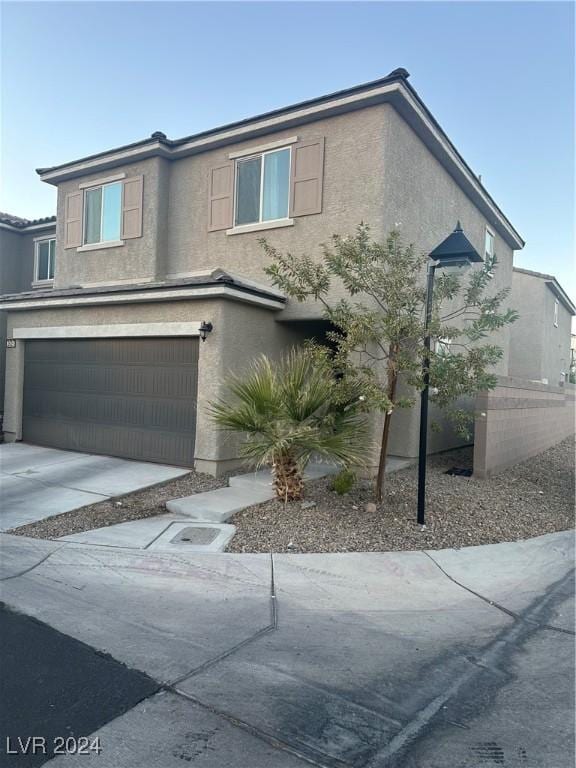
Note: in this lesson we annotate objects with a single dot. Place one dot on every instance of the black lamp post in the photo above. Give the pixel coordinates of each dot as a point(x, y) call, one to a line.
point(455, 251)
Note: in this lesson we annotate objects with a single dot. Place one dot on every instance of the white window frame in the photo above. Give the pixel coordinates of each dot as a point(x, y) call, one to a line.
point(261, 222)
point(487, 232)
point(48, 280)
point(92, 188)
point(556, 311)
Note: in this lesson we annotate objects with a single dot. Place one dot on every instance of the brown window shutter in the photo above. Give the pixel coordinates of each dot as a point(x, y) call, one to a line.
point(73, 219)
point(221, 197)
point(306, 177)
point(132, 189)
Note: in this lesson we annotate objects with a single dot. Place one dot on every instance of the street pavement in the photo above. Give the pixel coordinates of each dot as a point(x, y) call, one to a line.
point(440, 659)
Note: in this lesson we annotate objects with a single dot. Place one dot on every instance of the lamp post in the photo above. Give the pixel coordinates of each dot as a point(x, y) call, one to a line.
point(455, 251)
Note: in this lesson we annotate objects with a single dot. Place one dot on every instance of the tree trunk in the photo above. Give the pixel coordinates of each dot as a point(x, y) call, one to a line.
point(392, 381)
point(288, 481)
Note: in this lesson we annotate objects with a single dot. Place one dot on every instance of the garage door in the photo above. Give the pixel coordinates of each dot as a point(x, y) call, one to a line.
point(134, 398)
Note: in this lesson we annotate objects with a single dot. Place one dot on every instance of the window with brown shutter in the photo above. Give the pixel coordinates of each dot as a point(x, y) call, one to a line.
point(73, 219)
point(307, 177)
point(221, 194)
point(132, 207)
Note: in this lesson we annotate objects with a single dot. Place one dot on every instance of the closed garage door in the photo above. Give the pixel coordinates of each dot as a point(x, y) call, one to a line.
point(134, 398)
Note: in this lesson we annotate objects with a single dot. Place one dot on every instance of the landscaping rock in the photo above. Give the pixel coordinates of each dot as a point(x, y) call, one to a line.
point(460, 511)
point(134, 506)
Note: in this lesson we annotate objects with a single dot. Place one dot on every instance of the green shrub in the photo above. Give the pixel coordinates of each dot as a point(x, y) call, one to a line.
point(343, 482)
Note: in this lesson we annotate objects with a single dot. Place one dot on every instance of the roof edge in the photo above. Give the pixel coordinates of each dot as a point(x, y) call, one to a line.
point(396, 75)
point(394, 89)
point(19, 224)
point(554, 286)
point(216, 278)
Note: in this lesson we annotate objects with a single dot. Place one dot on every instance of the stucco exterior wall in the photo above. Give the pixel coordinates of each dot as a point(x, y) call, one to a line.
point(556, 345)
point(17, 258)
point(526, 351)
point(520, 419)
point(10, 261)
point(138, 260)
point(352, 192)
point(539, 351)
point(16, 276)
point(424, 202)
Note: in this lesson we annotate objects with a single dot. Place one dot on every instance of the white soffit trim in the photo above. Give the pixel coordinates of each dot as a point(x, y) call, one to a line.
point(103, 180)
point(211, 292)
point(111, 159)
point(263, 147)
point(107, 331)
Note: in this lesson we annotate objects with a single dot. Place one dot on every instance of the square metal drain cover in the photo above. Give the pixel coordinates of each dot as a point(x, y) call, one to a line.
point(196, 535)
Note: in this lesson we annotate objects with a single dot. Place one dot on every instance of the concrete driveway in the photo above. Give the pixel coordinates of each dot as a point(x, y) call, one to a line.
point(37, 482)
point(441, 659)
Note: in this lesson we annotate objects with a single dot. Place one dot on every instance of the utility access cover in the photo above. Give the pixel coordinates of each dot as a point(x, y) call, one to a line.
point(196, 535)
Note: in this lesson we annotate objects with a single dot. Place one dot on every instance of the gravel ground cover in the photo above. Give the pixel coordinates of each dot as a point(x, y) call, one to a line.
point(529, 499)
point(134, 506)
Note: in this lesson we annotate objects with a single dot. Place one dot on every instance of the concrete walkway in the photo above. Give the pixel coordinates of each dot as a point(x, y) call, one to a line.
point(449, 659)
point(38, 482)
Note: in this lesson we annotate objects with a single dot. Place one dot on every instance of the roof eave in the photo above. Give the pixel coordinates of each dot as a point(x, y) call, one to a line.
point(561, 295)
point(394, 90)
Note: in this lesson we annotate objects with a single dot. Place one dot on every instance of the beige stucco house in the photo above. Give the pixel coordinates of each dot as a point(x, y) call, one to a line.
point(27, 255)
point(540, 340)
point(159, 239)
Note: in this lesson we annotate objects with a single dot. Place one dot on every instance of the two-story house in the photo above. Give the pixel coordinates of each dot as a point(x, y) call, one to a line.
point(540, 340)
point(159, 287)
point(27, 254)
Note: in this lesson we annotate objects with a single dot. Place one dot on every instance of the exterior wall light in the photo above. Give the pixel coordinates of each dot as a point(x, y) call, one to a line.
point(205, 329)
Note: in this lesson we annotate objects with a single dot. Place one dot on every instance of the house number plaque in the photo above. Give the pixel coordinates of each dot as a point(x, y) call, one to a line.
point(10, 343)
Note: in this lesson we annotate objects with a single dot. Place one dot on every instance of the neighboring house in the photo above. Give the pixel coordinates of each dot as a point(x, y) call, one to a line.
point(540, 339)
point(159, 239)
point(27, 253)
point(573, 352)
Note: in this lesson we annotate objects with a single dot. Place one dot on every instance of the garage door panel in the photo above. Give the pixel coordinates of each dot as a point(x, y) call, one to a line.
point(170, 381)
point(157, 413)
point(123, 397)
point(129, 442)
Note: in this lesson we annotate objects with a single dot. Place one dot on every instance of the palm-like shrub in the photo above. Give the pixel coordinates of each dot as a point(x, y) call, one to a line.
point(289, 411)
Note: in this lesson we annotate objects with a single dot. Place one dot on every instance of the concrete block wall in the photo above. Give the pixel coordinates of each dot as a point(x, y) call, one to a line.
point(519, 419)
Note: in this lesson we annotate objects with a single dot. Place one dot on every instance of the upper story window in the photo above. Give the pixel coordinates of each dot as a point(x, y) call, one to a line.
point(103, 213)
point(262, 187)
point(489, 243)
point(44, 260)
point(556, 305)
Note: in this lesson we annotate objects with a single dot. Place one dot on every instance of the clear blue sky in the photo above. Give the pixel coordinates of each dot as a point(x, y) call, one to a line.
point(82, 77)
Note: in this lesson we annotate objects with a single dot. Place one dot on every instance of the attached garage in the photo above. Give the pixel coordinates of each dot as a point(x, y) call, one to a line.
point(129, 397)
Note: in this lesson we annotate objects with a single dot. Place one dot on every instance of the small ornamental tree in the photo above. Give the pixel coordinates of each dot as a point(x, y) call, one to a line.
point(379, 324)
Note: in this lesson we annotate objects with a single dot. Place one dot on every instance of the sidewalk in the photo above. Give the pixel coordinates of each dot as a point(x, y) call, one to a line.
point(342, 660)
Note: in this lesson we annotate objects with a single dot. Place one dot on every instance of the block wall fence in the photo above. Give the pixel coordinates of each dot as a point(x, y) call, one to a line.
point(519, 419)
